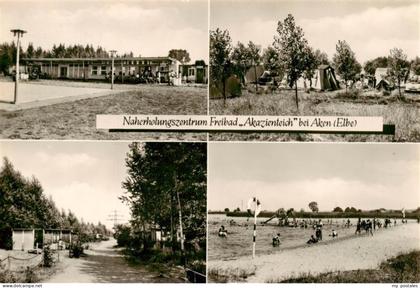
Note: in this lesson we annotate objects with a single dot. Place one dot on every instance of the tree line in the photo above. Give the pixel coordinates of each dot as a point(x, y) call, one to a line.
point(166, 191)
point(291, 55)
point(8, 53)
point(23, 204)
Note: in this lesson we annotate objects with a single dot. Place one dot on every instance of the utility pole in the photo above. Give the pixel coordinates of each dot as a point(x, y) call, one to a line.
point(115, 217)
point(112, 68)
point(19, 34)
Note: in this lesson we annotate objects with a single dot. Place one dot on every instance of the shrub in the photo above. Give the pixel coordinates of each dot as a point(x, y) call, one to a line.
point(76, 250)
point(30, 276)
point(47, 258)
point(122, 235)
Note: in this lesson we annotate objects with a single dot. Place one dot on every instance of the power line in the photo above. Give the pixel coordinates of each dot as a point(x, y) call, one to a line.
point(115, 217)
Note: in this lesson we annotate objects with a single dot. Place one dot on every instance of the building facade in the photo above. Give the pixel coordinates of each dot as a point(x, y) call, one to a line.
point(133, 69)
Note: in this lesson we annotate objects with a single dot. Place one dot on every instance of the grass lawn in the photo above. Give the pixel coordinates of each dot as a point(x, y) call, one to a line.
point(405, 114)
point(77, 119)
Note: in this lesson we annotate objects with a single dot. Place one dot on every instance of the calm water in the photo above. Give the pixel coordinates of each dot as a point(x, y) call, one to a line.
point(239, 240)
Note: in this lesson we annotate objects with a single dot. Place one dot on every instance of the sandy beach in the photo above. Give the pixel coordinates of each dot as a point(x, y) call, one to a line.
point(356, 252)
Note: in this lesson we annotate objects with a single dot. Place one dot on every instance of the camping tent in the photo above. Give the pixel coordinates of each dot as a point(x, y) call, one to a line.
point(325, 79)
point(380, 77)
point(252, 74)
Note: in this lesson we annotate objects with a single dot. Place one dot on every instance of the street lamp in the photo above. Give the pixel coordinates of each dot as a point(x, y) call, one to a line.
point(19, 34)
point(112, 68)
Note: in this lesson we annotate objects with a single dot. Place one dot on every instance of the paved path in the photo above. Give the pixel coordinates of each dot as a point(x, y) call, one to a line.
point(104, 264)
point(37, 95)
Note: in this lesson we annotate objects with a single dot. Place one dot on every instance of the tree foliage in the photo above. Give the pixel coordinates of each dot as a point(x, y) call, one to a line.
point(415, 65)
point(345, 62)
point(253, 55)
point(181, 55)
point(158, 175)
point(220, 61)
point(398, 66)
point(23, 204)
point(8, 53)
point(240, 60)
point(271, 61)
point(321, 58)
point(371, 65)
point(313, 206)
point(310, 65)
point(292, 48)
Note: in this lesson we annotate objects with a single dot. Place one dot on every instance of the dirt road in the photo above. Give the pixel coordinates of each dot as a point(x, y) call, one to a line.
point(104, 264)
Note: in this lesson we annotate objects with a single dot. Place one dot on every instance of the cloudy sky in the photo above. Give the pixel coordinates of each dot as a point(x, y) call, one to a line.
point(371, 28)
point(366, 176)
point(84, 177)
point(149, 28)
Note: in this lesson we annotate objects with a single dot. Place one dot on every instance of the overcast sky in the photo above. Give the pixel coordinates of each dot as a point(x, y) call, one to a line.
point(84, 177)
point(290, 175)
point(371, 28)
point(149, 28)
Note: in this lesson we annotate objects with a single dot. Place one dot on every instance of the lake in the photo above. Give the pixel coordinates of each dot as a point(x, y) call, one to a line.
point(239, 240)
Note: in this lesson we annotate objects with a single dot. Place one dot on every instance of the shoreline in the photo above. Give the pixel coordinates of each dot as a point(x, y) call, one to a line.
point(349, 253)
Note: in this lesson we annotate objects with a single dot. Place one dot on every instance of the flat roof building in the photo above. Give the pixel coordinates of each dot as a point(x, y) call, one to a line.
point(142, 69)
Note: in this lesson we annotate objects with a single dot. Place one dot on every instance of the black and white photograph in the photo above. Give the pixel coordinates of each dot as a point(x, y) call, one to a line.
point(313, 58)
point(64, 62)
point(313, 213)
point(102, 212)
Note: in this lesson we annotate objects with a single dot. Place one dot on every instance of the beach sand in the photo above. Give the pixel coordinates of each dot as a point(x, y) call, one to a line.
point(355, 252)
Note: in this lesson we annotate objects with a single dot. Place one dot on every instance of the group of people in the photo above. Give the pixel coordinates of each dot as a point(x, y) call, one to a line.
point(367, 225)
point(318, 233)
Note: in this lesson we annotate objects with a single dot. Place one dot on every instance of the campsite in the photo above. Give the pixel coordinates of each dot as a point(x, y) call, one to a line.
point(65, 224)
point(293, 68)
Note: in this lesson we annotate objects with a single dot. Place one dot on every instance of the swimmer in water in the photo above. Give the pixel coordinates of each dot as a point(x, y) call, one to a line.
point(222, 232)
point(276, 240)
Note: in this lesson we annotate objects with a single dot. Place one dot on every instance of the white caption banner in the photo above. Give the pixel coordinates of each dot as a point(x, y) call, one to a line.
point(240, 123)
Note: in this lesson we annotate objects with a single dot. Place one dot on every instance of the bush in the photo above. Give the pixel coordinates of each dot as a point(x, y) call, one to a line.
point(30, 276)
point(76, 250)
point(47, 258)
point(122, 235)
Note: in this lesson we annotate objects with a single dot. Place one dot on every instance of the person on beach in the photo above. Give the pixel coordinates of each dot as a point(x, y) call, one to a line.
point(318, 231)
point(222, 232)
point(368, 227)
point(358, 226)
point(312, 240)
point(276, 240)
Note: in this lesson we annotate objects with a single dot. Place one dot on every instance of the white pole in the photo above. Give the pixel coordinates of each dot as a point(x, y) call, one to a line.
point(112, 68)
point(17, 69)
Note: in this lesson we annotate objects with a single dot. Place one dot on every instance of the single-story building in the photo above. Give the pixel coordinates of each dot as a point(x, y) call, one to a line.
point(195, 73)
point(30, 238)
point(156, 69)
point(100, 68)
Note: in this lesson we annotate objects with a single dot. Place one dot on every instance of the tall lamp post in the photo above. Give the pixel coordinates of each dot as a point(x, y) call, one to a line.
point(19, 34)
point(112, 67)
